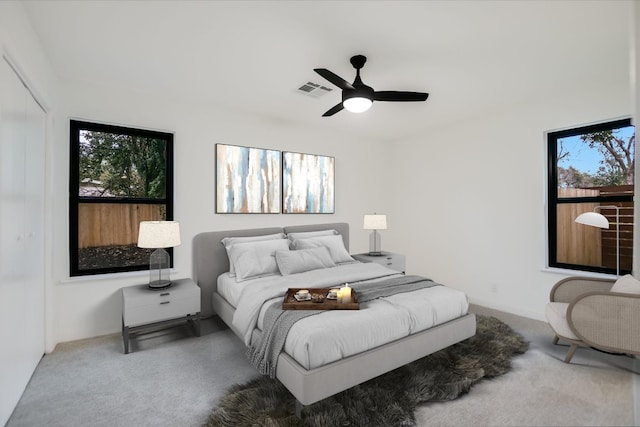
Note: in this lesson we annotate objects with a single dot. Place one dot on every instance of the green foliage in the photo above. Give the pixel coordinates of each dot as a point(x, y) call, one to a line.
point(123, 165)
point(573, 178)
point(618, 164)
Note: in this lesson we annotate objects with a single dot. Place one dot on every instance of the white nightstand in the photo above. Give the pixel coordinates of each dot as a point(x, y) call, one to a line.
point(143, 307)
point(388, 259)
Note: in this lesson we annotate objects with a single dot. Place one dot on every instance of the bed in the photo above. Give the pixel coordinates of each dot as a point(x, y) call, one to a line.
point(311, 380)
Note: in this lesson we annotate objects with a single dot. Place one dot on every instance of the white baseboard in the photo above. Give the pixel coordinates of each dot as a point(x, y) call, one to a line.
point(508, 309)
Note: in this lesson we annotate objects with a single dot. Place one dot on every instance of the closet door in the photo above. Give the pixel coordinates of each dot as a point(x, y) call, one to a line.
point(21, 237)
point(33, 231)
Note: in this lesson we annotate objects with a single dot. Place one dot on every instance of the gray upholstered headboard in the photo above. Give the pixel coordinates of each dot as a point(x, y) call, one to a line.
point(210, 257)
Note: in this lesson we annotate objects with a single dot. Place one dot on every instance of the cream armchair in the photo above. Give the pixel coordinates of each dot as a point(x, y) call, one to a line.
point(599, 313)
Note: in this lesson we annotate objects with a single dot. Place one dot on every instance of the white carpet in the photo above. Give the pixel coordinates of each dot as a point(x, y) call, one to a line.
point(596, 389)
point(175, 379)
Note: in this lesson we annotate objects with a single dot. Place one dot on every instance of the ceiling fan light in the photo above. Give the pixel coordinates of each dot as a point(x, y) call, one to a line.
point(357, 104)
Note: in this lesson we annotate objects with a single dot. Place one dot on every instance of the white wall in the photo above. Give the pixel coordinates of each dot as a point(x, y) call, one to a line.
point(473, 199)
point(91, 306)
point(19, 41)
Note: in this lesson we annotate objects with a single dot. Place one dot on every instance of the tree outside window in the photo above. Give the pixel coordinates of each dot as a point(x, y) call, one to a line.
point(591, 166)
point(119, 176)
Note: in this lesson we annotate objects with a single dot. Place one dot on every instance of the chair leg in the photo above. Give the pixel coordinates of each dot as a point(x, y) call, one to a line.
point(570, 353)
point(555, 340)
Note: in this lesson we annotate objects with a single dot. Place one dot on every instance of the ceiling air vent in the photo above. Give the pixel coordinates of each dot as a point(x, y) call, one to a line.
point(314, 90)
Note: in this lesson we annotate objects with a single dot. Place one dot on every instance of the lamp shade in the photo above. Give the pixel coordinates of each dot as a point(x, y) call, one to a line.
point(375, 222)
point(158, 234)
point(357, 104)
point(593, 219)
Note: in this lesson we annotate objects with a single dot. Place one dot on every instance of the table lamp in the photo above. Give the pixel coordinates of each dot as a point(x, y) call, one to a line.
point(159, 235)
point(375, 222)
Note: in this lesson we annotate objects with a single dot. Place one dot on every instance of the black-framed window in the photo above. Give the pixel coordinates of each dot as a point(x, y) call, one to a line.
point(589, 168)
point(118, 177)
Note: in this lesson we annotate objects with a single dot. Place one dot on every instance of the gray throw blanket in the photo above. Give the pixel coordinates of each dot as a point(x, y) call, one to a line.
point(277, 322)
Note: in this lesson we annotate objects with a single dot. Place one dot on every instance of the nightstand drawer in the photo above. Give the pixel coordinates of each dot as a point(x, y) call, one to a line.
point(160, 310)
point(142, 296)
point(393, 261)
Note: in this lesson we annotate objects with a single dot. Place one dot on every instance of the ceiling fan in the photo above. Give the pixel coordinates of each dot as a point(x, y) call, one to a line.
point(358, 97)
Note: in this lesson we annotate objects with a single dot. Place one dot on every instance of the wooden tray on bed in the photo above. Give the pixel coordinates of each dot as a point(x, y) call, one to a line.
point(290, 303)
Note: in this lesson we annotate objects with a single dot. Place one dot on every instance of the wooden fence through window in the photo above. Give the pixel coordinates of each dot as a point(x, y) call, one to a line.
point(113, 224)
point(583, 245)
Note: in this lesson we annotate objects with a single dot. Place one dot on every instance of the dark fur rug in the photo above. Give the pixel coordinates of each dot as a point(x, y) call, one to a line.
point(388, 400)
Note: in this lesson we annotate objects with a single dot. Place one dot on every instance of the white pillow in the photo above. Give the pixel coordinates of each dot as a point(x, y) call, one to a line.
point(335, 244)
point(257, 258)
point(291, 262)
point(308, 234)
point(626, 284)
point(230, 241)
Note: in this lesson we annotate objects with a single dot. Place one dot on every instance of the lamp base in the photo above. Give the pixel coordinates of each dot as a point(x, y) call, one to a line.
point(375, 244)
point(157, 285)
point(159, 263)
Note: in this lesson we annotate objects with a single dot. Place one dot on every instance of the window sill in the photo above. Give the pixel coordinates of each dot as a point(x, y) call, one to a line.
point(568, 272)
point(138, 276)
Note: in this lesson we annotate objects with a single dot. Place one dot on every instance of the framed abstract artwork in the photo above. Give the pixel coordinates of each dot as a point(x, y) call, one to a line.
point(248, 180)
point(308, 183)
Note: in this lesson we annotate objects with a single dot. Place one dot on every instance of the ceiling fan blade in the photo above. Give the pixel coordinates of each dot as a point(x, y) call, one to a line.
point(334, 78)
point(392, 95)
point(333, 110)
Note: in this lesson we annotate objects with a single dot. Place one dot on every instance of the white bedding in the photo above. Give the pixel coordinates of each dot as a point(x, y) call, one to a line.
point(317, 340)
point(257, 292)
point(334, 334)
point(230, 289)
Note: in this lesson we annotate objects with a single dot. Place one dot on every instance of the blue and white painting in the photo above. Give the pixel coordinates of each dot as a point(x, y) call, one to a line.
point(248, 180)
point(307, 183)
